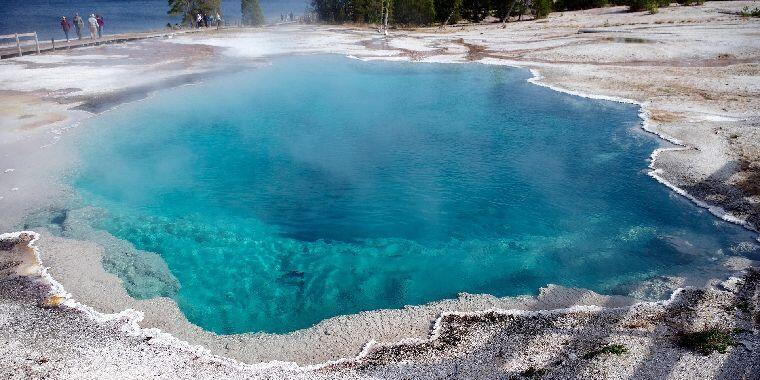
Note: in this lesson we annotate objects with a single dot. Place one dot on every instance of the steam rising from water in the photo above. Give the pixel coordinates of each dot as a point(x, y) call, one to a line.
point(322, 186)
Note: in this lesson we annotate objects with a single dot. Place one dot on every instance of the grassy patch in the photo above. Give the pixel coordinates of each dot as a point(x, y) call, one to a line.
point(708, 341)
point(617, 349)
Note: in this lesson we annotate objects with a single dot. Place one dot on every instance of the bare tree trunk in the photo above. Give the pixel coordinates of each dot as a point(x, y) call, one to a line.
point(451, 14)
point(509, 12)
point(385, 22)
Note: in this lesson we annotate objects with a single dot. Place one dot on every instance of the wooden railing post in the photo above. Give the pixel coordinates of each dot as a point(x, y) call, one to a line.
point(18, 45)
point(37, 42)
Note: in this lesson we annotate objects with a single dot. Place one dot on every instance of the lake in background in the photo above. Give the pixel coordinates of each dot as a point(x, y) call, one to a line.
point(42, 16)
point(320, 186)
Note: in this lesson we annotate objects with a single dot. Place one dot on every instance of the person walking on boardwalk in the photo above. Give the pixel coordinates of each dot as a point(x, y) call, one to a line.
point(101, 23)
point(66, 26)
point(93, 26)
point(78, 24)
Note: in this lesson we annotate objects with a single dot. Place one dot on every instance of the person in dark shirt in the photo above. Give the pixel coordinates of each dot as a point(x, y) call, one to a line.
point(101, 23)
point(66, 26)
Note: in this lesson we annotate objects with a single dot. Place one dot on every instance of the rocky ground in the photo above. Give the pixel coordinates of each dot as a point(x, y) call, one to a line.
point(694, 70)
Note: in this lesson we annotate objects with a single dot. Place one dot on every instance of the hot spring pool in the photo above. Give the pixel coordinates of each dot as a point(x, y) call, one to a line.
point(319, 186)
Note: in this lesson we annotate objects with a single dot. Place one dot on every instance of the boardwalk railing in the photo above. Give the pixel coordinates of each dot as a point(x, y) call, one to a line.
point(18, 37)
point(17, 50)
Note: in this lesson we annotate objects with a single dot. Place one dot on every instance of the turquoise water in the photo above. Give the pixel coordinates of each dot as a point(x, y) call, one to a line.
point(320, 186)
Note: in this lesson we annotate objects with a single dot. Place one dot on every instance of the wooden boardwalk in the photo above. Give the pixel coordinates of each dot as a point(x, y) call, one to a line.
point(28, 46)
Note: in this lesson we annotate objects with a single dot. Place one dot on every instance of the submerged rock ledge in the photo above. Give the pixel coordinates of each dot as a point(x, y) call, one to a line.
point(51, 335)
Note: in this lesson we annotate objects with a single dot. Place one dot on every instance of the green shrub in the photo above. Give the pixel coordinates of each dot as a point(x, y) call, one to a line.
point(746, 12)
point(708, 341)
point(643, 5)
point(617, 349)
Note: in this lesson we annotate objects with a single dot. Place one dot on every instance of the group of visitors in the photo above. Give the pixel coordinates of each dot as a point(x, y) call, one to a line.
point(286, 17)
point(205, 20)
point(95, 23)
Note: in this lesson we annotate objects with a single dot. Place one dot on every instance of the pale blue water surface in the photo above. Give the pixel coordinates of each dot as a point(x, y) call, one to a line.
point(320, 186)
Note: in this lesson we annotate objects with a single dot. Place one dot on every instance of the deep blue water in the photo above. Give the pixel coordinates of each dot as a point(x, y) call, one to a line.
point(320, 186)
point(42, 16)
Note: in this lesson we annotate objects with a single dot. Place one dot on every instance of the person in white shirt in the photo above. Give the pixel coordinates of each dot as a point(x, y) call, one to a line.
point(93, 26)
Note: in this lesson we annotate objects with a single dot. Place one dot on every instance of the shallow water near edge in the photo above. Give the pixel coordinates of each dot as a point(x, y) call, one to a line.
point(321, 186)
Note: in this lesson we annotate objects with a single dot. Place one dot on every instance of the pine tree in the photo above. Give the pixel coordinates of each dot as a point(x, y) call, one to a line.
point(475, 10)
point(413, 12)
point(369, 11)
point(187, 8)
point(447, 11)
point(182, 8)
point(252, 14)
point(542, 8)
